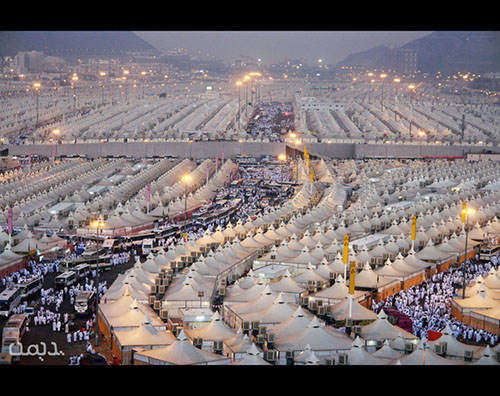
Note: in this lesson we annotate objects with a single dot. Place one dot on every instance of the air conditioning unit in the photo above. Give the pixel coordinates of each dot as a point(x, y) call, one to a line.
point(356, 330)
point(497, 356)
point(272, 355)
point(380, 344)
point(234, 277)
point(313, 306)
point(289, 354)
point(311, 288)
point(319, 284)
point(468, 355)
point(349, 322)
point(158, 281)
point(161, 289)
point(222, 291)
point(321, 310)
point(153, 289)
point(305, 301)
point(255, 324)
point(198, 342)
point(164, 314)
point(271, 338)
point(245, 326)
point(440, 348)
point(319, 302)
point(328, 309)
point(343, 359)
point(330, 362)
point(218, 345)
point(261, 339)
point(152, 300)
point(409, 347)
point(331, 275)
point(262, 330)
point(157, 305)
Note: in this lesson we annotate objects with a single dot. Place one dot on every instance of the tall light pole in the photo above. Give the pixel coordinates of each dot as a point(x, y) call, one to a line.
point(396, 81)
point(467, 213)
point(411, 87)
point(422, 136)
point(74, 79)
point(382, 76)
point(98, 224)
point(239, 84)
point(186, 179)
point(37, 86)
point(102, 74)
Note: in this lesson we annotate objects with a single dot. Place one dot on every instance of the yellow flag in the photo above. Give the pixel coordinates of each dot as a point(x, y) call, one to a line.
point(413, 227)
point(352, 277)
point(346, 249)
point(464, 208)
point(312, 175)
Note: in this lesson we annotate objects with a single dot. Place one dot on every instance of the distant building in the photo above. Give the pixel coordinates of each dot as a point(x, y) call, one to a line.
point(28, 62)
point(310, 103)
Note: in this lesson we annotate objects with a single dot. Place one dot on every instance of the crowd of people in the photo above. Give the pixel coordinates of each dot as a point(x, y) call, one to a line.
point(428, 304)
point(270, 119)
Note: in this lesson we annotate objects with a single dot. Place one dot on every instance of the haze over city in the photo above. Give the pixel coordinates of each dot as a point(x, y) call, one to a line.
point(274, 46)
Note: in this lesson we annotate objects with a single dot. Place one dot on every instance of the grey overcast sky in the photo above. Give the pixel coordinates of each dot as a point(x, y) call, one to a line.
point(275, 46)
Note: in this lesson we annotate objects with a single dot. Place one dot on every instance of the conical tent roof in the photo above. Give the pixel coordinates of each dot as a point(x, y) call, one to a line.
point(418, 357)
point(287, 285)
point(145, 335)
point(298, 321)
point(180, 352)
point(340, 311)
point(387, 352)
point(277, 312)
point(318, 336)
point(216, 330)
point(382, 329)
point(358, 356)
point(453, 346)
point(252, 358)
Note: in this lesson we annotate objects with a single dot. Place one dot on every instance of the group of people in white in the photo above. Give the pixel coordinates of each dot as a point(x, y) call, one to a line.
point(428, 304)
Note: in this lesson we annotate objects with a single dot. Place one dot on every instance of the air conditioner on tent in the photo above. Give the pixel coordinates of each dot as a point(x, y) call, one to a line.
point(409, 347)
point(380, 344)
point(261, 339)
point(198, 342)
point(255, 324)
point(164, 314)
point(313, 306)
point(234, 277)
point(272, 355)
point(218, 345)
point(331, 275)
point(161, 289)
point(153, 289)
point(328, 309)
point(343, 359)
point(497, 356)
point(262, 330)
point(271, 338)
point(245, 326)
point(356, 330)
point(440, 348)
point(157, 305)
point(349, 322)
point(222, 291)
point(305, 301)
point(321, 310)
point(468, 355)
point(319, 302)
point(151, 300)
point(330, 362)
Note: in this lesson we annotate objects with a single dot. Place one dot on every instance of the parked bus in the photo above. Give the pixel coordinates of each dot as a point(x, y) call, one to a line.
point(65, 279)
point(85, 302)
point(488, 251)
point(81, 270)
point(31, 287)
point(12, 333)
point(9, 299)
point(147, 245)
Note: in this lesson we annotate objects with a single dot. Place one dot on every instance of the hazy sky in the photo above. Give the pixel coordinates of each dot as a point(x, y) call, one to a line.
point(275, 46)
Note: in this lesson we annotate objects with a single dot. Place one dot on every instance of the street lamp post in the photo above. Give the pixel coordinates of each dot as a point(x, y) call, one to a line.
point(186, 179)
point(382, 76)
point(467, 212)
point(412, 90)
point(397, 81)
point(37, 90)
point(98, 224)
